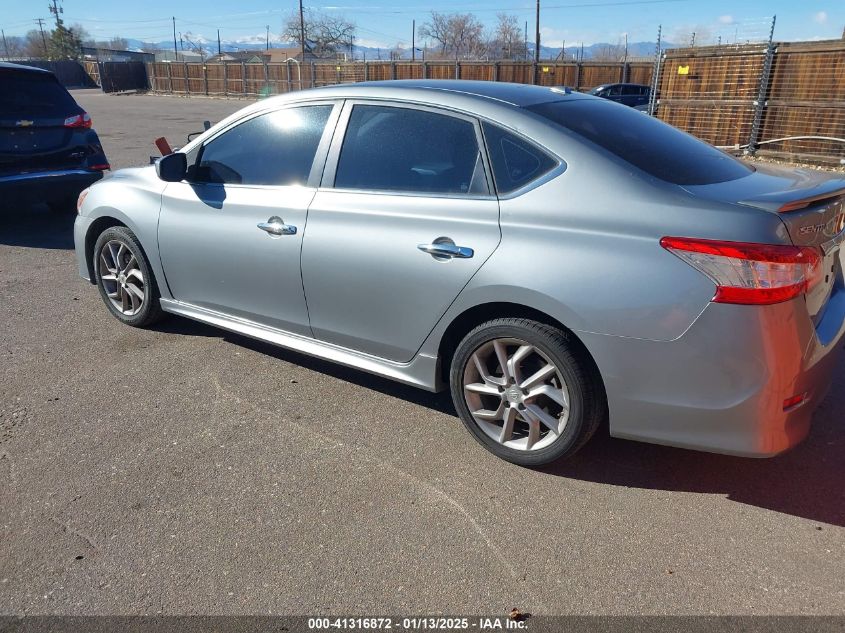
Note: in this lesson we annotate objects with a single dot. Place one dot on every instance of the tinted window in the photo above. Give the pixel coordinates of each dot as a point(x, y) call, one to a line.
point(34, 94)
point(516, 162)
point(651, 145)
point(402, 149)
point(276, 148)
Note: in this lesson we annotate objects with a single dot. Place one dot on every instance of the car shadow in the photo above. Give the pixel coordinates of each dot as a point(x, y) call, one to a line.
point(807, 482)
point(440, 402)
point(35, 226)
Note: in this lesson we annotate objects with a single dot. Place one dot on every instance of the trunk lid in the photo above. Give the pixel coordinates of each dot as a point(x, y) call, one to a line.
point(810, 203)
point(33, 110)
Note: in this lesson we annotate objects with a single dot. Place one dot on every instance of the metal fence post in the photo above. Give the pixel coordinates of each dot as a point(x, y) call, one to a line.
point(495, 71)
point(170, 77)
point(313, 75)
point(205, 78)
point(760, 103)
point(577, 75)
point(393, 69)
point(287, 74)
point(655, 74)
point(366, 71)
point(266, 77)
point(225, 80)
point(457, 69)
point(243, 76)
point(425, 70)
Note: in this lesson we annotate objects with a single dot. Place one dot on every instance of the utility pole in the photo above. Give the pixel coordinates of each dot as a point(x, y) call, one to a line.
point(692, 40)
point(175, 50)
point(219, 51)
point(5, 44)
point(537, 36)
point(302, 29)
point(413, 40)
point(267, 47)
point(43, 39)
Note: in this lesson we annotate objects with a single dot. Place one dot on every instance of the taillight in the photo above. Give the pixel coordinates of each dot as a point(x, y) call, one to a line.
point(78, 120)
point(750, 274)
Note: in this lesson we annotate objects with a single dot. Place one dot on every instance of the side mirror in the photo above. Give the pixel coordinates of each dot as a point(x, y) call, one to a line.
point(172, 168)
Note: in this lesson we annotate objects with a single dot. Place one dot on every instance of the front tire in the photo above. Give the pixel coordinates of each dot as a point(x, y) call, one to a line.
point(526, 391)
point(124, 278)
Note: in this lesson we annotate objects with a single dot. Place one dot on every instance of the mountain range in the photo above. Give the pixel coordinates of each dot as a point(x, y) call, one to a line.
point(635, 49)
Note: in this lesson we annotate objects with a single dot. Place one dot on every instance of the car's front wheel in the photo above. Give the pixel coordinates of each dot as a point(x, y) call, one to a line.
point(526, 391)
point(124, 278)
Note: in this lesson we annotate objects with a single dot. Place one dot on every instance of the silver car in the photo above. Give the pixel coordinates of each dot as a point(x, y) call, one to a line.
point(557, 261)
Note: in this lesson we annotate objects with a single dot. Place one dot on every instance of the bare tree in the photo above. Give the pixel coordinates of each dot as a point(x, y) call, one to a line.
point(118, 43)
point(608, 52)
point(15, 46)
point(150, 48)
point(458, 35)
point(196, 47)
point(507, 42)
point(325, 35)
point(34, 44)
point(398, 51)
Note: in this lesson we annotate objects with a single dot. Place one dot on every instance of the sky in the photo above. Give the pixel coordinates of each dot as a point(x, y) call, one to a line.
point(385, 24)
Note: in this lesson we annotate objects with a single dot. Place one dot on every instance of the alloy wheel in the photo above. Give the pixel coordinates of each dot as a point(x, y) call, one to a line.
point(516, 394)
point(122, 278)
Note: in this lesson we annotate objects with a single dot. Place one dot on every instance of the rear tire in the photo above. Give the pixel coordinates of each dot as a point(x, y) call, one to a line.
point(124, 278)
point(526, 391)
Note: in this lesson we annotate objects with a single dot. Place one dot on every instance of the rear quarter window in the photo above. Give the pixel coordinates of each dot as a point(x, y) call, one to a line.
point(645, 142)
point(515, 161)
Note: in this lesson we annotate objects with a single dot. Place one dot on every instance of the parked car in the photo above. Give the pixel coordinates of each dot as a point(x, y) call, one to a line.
point(48, 150)
point(554, 259)
point(628, 94)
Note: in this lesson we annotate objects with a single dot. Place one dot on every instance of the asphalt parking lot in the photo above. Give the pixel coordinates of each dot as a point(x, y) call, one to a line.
point(185, 470)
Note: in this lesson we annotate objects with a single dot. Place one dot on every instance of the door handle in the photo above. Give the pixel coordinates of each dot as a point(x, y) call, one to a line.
point(444, 248)
point(277, 226)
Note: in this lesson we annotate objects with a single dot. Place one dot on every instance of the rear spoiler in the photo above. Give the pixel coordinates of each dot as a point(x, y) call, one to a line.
point(798, 198)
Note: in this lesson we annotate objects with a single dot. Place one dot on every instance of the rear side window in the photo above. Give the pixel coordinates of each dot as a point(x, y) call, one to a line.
point(405, 149)
point(651, 145)
point(516, 162)
point(34, 94)
point(276, 148)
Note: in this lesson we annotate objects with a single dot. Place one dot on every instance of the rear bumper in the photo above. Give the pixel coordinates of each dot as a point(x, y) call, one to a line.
point(48, 185)
point(721, 386)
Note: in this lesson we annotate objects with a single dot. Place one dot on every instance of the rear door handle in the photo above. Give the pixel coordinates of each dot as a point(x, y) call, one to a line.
point(277, 226)
point(444, 248)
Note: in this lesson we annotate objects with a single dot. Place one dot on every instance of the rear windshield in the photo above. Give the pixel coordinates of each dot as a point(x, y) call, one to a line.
point(33, 94)
point(651, 145)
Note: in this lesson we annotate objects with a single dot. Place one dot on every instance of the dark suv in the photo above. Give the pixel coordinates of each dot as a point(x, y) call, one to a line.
point(630, 94)
point(48, 151)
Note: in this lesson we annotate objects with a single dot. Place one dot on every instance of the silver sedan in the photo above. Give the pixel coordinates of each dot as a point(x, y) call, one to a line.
point(558, 261)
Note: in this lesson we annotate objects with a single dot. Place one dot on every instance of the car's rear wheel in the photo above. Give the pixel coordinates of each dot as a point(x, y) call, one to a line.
point(526, 391)
point(124, 278)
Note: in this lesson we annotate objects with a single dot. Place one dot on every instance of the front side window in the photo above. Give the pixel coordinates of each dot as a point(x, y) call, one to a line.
point(404, 149)
point(515, 161)
point(276, 148)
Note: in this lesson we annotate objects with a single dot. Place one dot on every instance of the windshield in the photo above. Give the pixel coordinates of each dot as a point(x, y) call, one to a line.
point(645, 142)
point(34, 94)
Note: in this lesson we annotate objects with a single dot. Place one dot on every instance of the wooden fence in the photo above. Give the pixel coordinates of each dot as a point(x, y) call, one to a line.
point(791, 105)
point(258, 79)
